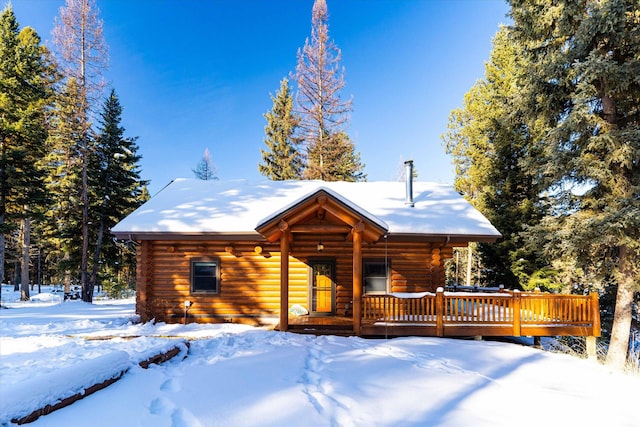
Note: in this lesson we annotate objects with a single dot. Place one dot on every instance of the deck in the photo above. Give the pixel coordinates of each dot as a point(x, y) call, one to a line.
point(455, 314)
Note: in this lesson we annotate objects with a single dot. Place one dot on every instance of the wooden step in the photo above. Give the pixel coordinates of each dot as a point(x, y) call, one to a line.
point(339, 330)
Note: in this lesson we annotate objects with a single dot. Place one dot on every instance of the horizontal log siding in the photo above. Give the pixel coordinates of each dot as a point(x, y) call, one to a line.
point(143, 282)
point(250, 281)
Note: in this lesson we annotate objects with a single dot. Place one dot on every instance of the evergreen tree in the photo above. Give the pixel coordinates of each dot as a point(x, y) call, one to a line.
point(83, 56)
point(25, 83)
point(335, 160)
point(64, 170)
point(205, 169)
point(116, 185)
point(490, 142)
point(282, 160)
point(324, 114)
point(582, 89)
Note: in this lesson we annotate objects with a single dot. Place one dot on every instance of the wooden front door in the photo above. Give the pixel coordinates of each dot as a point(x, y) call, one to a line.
point(322, 287)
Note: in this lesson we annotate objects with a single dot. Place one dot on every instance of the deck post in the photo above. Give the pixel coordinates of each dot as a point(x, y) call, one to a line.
point(440, 312)
point(284, 277)
point(357, 277)
point(516, 313)
point(595, 314)
point(592, 353)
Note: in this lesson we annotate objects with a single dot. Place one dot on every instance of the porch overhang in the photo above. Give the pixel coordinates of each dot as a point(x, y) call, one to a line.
point(322, 212)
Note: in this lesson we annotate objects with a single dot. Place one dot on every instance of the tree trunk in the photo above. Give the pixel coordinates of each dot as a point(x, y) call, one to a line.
point(96, 257)
point(16, 275)
point(24, 280)
point(2, 254)
point(2, 214)
point(87, 288)
point(621, 329)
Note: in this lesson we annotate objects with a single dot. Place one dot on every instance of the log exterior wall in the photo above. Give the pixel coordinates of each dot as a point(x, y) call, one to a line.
point(249, 288)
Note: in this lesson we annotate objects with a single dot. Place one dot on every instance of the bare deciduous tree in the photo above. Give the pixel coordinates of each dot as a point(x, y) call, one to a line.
point(82, 51)
point(320, 78)
point(83, 57)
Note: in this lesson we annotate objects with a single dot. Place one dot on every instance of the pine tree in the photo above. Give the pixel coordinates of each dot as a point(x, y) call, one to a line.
point(582, 89)
point(335, 160)
point(116, 185)
point(282, 159)
point(25, 83)
point(490, 142)
point(324, 114)
point(205, 169)
point(83, 56)
point(64, 184)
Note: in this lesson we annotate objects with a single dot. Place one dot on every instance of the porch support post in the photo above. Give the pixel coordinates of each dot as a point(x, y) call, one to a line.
point(284, 276)
point(357, 277)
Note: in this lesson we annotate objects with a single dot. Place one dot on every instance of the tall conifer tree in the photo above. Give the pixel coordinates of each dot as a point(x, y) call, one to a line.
point(115, 183)
point(282, 159)
point(64, 184)
point(490, 143)
point(324, 114)
point(25, 83)
point(582, 88)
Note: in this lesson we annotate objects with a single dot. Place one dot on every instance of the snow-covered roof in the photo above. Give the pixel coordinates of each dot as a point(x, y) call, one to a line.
point(191, 206)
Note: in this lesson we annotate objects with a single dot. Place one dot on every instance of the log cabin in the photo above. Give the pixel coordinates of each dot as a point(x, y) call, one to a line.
point(243, 251)
point(357, 258)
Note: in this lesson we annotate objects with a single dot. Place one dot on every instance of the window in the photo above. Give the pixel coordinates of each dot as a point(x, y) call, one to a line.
point(375, 278)
point(205, 276)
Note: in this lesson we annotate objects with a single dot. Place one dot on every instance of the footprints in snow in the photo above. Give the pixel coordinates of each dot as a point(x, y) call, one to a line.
point(171, 384)
point(161, 406)
point(318, 390)
point(165, 408)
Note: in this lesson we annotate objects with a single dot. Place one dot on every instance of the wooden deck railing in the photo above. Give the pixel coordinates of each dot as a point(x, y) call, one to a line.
point(492, 314)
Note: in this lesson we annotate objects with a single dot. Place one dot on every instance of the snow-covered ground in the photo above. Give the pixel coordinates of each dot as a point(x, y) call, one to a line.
point(236, 375)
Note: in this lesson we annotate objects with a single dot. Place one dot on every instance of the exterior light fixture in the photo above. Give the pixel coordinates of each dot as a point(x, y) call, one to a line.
point(320, 246)
point(187, 305)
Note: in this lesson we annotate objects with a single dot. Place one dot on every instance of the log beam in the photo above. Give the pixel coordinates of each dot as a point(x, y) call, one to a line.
point(284, 279)
point(357, 277)
point(320, 228)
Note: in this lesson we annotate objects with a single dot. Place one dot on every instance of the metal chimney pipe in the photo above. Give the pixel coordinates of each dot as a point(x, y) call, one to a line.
point(409, 183)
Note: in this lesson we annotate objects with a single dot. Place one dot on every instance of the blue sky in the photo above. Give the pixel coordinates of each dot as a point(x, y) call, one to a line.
point(196, 74)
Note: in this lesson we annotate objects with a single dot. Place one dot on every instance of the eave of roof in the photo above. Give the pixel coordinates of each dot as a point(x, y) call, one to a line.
point(222, 209)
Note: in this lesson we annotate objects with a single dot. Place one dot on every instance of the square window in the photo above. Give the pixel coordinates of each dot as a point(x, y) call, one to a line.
point(205, 276)
point(375, 277)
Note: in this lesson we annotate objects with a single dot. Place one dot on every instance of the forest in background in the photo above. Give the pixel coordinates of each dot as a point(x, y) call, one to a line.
point(68, 173)
point(546, 145)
